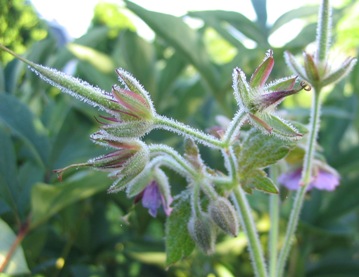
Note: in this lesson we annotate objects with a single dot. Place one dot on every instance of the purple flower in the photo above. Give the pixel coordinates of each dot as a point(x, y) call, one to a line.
point(152, 199)
point(322, 179)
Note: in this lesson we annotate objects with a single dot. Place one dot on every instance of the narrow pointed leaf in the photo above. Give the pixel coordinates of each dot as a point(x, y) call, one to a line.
point(311, 69)
point(295, 66)
point(281, 128)
point(262, 72)
point(340, 73)
point(282, 84)
point(188, 43)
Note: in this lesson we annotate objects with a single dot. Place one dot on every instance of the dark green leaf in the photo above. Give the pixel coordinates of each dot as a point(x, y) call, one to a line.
point(178, 241)
point(259, 150)
point(47, 200)
point(22, 123)
point(139, 56)
point(9, 185)
point(184, 39)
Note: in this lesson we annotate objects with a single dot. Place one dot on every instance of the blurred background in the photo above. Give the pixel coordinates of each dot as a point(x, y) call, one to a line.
point(183, 52)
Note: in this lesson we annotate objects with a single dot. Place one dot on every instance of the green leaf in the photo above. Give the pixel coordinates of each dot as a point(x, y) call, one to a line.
point(17, 264)
point(140, 57)
point(237, 20)
point(22, 123)
point(9, 185)
point(184, 39)
point(99, 60)
point(292, 15)
point(178, 241)
point(47, 200)
point(258, 180)
point(259, 150)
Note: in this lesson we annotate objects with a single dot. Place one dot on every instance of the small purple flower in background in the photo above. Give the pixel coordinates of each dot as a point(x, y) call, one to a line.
point(322, 179)
point(152, 199)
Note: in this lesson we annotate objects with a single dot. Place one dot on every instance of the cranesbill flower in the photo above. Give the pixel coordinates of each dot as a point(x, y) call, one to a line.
point(258, 99)
point(322, 179)
point(152, 199)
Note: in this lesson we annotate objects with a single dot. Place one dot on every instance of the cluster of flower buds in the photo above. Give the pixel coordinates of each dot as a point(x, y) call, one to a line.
point(319, 73)
point(258, 99)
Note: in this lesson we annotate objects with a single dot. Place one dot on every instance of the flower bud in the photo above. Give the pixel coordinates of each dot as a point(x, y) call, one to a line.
point(192, 154)
point(134, 104)
point(222, 212)
point(202, 231)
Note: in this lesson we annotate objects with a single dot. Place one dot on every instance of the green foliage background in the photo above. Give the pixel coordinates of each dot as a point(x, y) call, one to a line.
point(76, 228)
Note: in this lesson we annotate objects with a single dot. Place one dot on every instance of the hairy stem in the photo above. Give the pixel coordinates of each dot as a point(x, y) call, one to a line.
point(274, 225)
point(246, 220)
point(305, 181)
point(323, 31)
point(166, 123)
point(234, 127)
point(156, 149)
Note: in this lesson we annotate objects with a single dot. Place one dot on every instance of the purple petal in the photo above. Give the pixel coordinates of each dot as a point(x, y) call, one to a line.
point(152, 199)
point(291, 179)
point(166, 205)
point(325, 180)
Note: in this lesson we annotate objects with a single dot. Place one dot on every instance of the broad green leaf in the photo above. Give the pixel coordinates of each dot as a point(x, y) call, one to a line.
point(139, 56)
point(17, 264)
point(213, 22)
point(237, 20)
point(173, 68)
point(184, 39)
point(292, 15)
point(47, 200)
point(9, 185)
point(99, 60)
point(92, 38)
point(179, 244)
point(22, 123)
point(259, 150)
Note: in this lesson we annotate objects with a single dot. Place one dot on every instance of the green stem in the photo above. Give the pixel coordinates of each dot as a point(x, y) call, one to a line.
point(187, 131)
point(274, 225)
point(164, 149)
point(323, 31)
point(234, 127)
point(247, 222)
point(305, 181)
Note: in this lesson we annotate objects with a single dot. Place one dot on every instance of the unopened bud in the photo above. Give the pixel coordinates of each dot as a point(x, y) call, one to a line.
point(202, 232)
point(192, 153)
point(224, 215)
